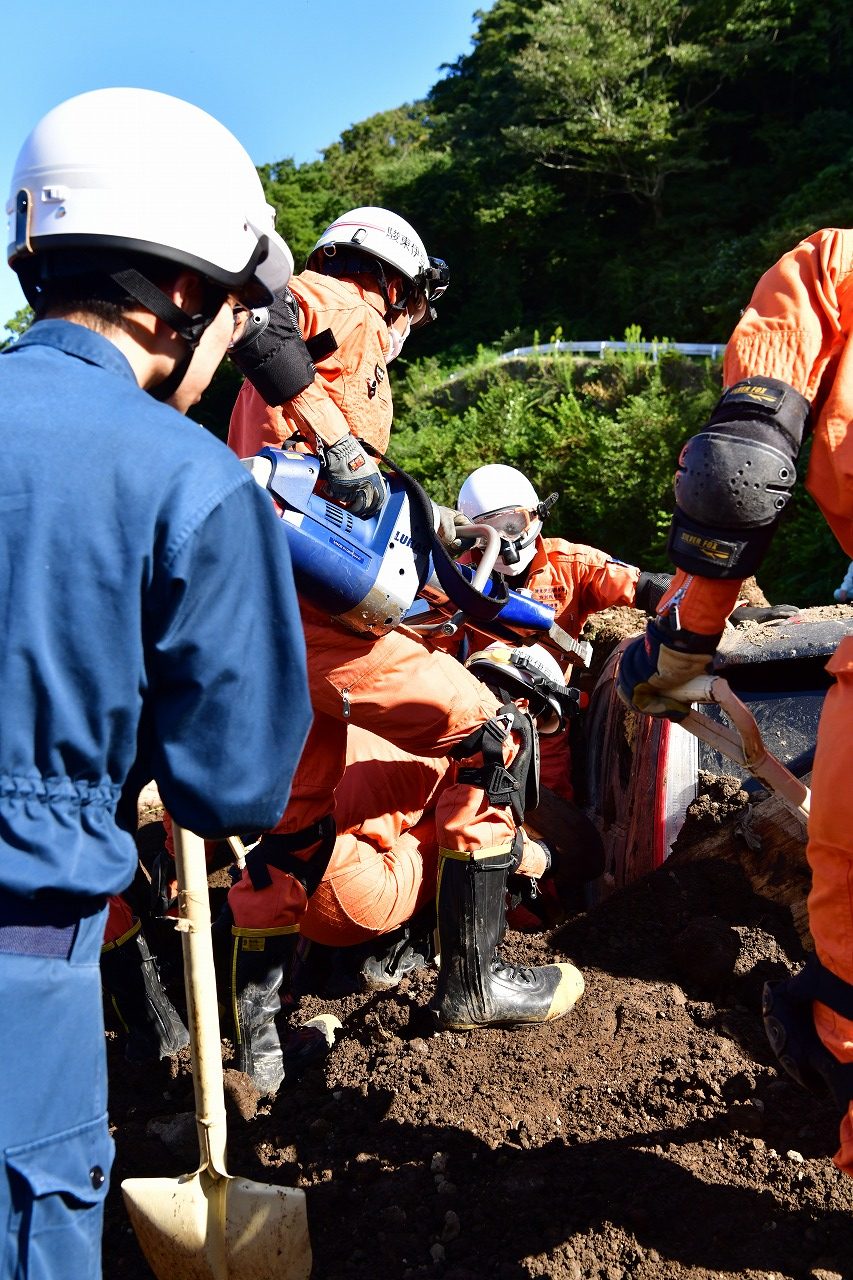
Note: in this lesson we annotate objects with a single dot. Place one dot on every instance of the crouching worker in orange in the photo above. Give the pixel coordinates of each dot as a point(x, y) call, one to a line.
point(788, 372)
point(377, 896)
point(370, 281)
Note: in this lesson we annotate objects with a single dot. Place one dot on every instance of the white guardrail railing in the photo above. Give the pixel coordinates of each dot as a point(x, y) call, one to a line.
point(711, 349)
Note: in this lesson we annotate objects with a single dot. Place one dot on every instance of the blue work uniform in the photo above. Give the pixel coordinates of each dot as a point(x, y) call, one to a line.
point(149, 630)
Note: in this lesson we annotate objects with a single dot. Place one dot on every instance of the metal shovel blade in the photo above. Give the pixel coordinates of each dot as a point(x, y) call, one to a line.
point(197, 1227)
point(209, 1225)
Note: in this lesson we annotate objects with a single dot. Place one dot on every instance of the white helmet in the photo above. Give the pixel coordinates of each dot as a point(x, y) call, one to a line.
point(131, 170)
point(528, 671)
point(386, 238)
point(504, 498)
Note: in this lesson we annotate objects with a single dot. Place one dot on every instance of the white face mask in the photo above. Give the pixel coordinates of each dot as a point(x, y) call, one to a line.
point(397, 339)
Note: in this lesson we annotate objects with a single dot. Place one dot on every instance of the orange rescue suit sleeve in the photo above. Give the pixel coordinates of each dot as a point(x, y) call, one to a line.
point(350, 392)
point(796, 328)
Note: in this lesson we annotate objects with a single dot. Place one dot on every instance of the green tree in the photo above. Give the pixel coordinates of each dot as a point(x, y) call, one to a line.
point(19, 324)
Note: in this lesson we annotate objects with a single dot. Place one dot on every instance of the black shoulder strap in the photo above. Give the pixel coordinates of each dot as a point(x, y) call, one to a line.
point(479, 607)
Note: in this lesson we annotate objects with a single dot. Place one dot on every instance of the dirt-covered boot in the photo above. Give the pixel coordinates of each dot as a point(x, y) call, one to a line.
point(259, 964)
point(475, 987)
point(131, 979)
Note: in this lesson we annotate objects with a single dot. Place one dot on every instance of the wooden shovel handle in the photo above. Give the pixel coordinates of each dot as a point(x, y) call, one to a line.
point(202, 1010)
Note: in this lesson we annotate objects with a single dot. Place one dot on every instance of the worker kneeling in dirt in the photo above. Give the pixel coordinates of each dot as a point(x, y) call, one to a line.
point(369, 282)
point(376, 901)
point(788, 374)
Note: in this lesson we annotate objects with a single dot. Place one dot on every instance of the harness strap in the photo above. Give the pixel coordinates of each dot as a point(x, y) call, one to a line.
point(279, 851)
point(480, 607)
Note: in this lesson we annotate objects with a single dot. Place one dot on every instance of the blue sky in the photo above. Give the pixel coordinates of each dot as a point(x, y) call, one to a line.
point(286, 76)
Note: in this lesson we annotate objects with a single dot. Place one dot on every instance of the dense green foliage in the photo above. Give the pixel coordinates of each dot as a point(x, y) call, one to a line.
point(589, 165)
point(605, 435)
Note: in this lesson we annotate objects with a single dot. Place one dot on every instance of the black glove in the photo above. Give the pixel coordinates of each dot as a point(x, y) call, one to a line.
point(352, 477)
point(763, 613)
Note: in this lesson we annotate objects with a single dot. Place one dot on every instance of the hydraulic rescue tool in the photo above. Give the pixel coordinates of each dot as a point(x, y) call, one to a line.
point(369, 572)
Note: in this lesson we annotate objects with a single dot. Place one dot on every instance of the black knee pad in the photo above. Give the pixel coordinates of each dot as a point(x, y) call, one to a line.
point(516, 785)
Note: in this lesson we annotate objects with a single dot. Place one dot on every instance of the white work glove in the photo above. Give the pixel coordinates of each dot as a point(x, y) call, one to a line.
point(447, 528)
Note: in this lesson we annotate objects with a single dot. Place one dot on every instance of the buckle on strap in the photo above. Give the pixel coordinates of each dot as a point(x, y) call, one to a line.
point(279, 851)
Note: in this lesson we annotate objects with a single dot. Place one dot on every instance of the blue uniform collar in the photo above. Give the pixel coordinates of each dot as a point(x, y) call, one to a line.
point(76, 340)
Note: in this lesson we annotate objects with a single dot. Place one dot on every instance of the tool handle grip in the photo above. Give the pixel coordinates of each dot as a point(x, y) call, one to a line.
point(202, 1010)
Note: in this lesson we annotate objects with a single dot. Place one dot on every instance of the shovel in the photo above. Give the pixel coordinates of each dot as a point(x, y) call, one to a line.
point(741, 743)
point(209, 1225)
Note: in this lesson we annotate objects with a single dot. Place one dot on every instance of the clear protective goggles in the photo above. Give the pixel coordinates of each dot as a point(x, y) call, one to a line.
point(510, 522)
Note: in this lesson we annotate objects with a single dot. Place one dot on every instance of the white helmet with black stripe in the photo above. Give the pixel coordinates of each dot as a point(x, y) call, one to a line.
point(135, 171)
point(527, 671)
point(369, 235)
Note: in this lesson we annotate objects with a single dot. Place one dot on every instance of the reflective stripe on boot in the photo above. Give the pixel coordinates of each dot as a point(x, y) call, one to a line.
point(475, 987)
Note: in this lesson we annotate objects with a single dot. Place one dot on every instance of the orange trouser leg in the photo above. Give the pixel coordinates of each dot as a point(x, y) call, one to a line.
point(830, 854)
point(368, 891)
point(279, 906)
point(422, 701)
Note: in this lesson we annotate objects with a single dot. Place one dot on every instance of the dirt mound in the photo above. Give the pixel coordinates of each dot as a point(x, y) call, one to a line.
point(646, 1135)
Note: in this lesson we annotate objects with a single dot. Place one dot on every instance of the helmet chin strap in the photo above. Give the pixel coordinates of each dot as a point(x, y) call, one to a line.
point(189, 327)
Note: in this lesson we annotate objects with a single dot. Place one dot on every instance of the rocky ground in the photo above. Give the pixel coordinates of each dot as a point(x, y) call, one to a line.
point(647, 1135)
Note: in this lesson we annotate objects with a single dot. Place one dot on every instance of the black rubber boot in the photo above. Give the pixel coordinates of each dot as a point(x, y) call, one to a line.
point(789, 1026)
point(131, 979)
point(259, 965)
point(475, 988)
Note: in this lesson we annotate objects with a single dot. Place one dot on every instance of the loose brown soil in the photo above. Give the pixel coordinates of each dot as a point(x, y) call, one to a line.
point(646, 1135)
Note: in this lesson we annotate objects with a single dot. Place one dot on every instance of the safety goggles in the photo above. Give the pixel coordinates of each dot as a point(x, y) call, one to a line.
point(430, 284)
point(510, 522)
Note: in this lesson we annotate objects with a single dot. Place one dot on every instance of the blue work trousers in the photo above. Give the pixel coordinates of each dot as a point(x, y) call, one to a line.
point(56, 1148)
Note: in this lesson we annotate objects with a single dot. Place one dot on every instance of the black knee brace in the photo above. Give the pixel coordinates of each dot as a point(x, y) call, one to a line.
point(516, 785)
point(272, 353)
point(279, 851)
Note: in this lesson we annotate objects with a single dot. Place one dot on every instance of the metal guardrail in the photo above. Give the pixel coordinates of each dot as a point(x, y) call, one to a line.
point(711, 349)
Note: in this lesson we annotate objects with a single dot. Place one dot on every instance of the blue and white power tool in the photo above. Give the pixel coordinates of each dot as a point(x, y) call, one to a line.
point(368, 573)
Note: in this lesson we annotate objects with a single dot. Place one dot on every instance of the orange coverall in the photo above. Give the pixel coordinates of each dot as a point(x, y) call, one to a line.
point(423, 701)
point(350, 392)
point(385, 863)
point(798, 328)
